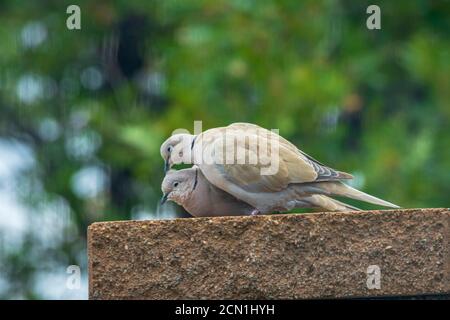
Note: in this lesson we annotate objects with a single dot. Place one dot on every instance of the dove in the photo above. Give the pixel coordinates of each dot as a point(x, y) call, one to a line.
point(234, 158)
point(190, 189)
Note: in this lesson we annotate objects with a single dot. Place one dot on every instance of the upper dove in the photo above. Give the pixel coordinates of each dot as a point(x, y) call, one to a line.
point(258, 166)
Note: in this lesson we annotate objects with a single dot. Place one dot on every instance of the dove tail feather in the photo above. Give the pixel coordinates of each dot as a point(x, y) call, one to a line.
point(343, 190)
point(329, 204)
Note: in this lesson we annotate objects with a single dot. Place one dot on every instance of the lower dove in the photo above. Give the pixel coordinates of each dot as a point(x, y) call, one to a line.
point(298, 175)
point(190, 189)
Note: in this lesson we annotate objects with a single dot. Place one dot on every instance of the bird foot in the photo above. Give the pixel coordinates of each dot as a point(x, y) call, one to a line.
point(255, 212)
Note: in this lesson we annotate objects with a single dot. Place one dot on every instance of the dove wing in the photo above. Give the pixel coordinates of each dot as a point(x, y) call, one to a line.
point(324, 173)
point(293, 167)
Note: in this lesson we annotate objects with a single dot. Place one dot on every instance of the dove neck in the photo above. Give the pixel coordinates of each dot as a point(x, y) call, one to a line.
point(198, 200)
point(193, 141)
point(194, 147)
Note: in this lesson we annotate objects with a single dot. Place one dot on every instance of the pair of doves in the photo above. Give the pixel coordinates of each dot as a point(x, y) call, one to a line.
point(221, 188)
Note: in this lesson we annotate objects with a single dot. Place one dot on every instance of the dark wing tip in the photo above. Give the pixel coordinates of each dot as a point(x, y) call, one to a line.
point(344, 175)
point(325, 173)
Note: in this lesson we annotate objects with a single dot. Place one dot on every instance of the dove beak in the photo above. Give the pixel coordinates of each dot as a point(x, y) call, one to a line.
point(166, 165)
point(164, 198)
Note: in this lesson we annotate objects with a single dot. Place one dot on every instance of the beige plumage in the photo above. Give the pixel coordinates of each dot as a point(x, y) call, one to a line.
point(298, 175)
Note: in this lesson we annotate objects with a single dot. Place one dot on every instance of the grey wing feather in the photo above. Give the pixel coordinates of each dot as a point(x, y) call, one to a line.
point(325, 173)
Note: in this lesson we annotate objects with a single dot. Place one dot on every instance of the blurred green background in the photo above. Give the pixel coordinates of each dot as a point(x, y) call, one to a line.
point(83, 112)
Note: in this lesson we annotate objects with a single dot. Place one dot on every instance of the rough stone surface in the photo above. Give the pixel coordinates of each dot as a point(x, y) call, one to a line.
point(269, 257)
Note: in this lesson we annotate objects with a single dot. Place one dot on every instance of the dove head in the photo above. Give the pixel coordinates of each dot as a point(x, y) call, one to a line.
point(176, 149)
point(178, 185)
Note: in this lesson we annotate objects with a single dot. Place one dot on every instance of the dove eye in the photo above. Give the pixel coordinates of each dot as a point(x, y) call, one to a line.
point(175, 184)
point(169, 149)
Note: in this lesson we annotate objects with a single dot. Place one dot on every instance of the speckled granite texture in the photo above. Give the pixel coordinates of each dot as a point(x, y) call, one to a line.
point(321, 255)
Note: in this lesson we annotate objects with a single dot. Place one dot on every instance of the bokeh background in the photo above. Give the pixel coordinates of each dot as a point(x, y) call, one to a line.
point(83, 112)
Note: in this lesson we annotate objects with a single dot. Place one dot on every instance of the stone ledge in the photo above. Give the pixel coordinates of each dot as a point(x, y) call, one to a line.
point(321, 255)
